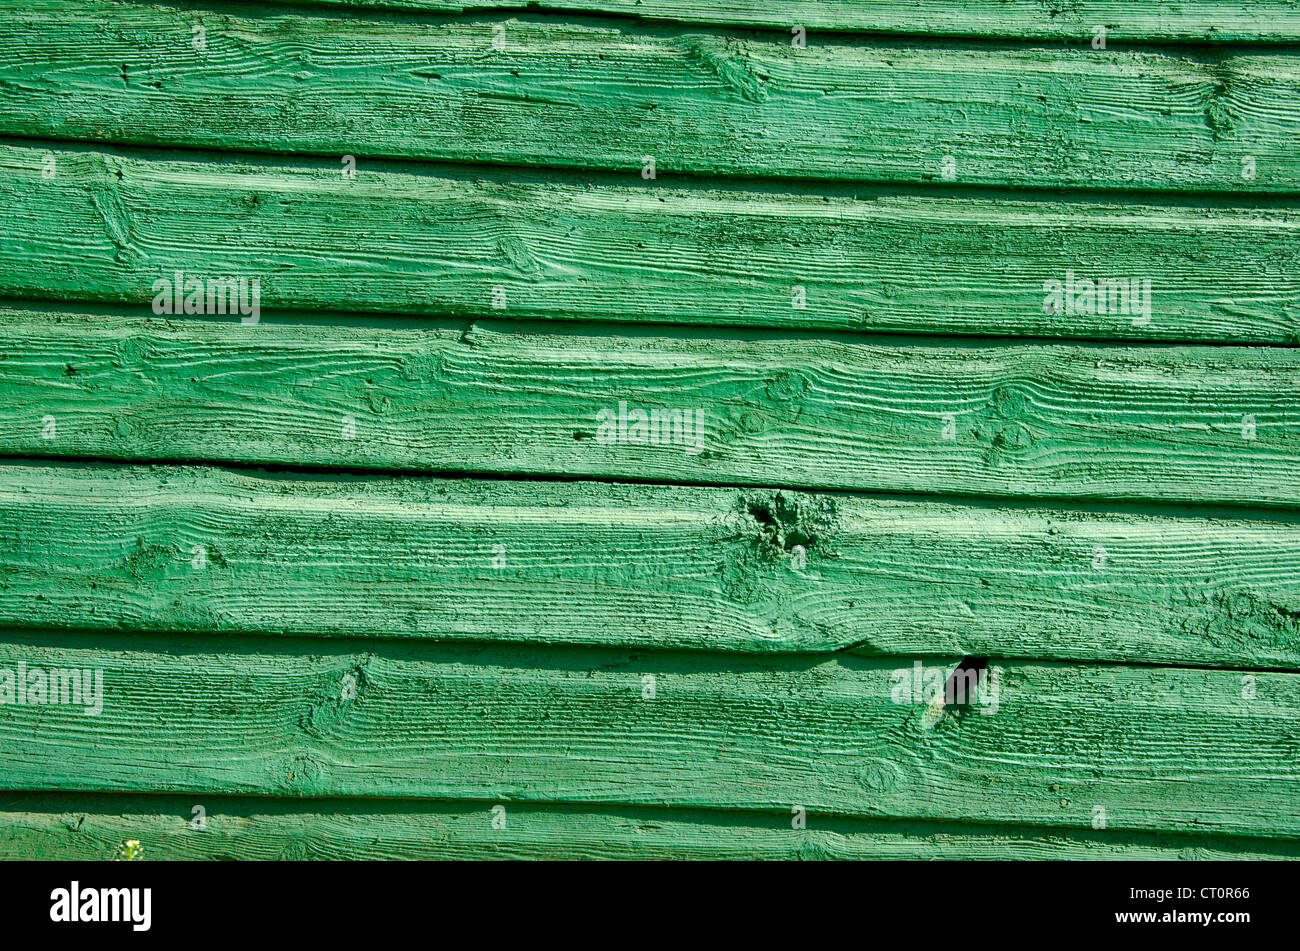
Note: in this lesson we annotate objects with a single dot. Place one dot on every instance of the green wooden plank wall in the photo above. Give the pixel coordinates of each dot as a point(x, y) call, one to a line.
point(649, 429)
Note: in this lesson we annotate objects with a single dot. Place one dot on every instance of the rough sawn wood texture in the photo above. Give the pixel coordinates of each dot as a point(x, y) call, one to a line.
point(631, 414)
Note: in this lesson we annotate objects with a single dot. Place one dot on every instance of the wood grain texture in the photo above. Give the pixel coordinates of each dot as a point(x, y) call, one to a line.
point(990, 419)
point(597, 95)
point(357, 659)
point(97, 827)
point(110, 224)
point(1159, 748)
point(1199, 20)
point(200, 550)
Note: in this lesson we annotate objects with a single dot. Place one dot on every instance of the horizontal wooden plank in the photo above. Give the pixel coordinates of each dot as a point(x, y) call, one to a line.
point(603, 95)
point(64, 827)
point(1029, 420)
point(108, 225)
point(1201, 20)
point(1157, 748)
point(209, 550)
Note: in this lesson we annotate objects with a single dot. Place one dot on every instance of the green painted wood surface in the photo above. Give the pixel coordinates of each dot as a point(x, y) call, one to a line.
point(400, 239)
point(1159, 748)
point(81, 827)
point(1199, 20)
point(597, 95)
point(357, 659)
point(862, 413)
point(210, 550)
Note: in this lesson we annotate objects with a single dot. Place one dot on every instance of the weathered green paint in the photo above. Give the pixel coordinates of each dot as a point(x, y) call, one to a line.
point(398, 239)
point(361, 660)
point(199, 550)
point(995, 419)
point(594, 94)
point(98, 827)
point(1193, 20)
point(1169, 749)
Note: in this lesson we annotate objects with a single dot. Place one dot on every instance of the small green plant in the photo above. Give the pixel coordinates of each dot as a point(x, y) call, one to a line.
point(130, 850)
